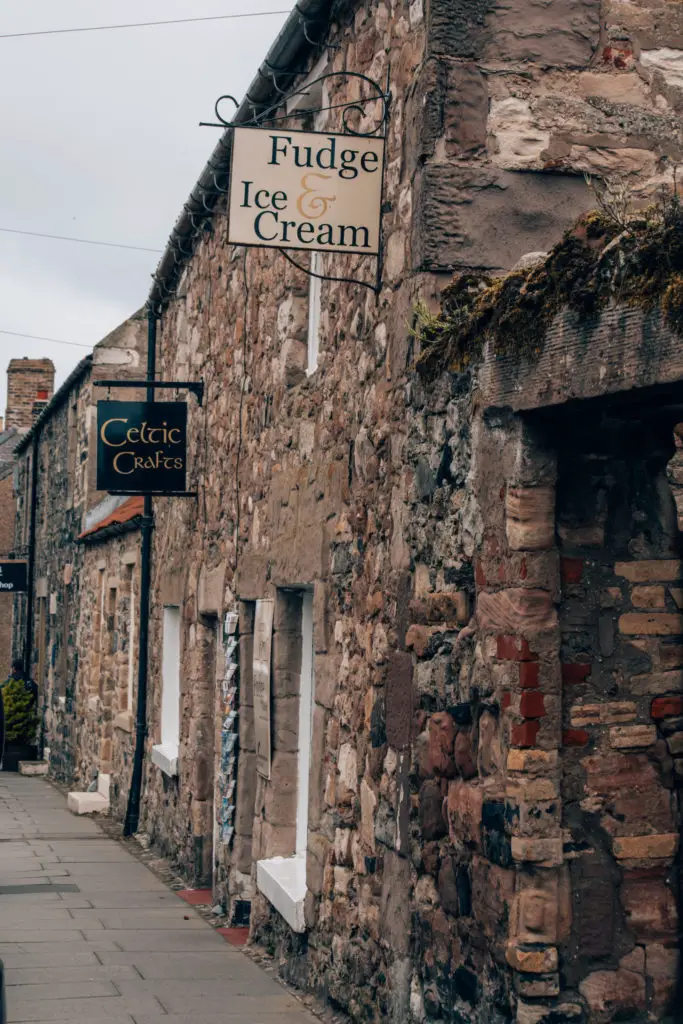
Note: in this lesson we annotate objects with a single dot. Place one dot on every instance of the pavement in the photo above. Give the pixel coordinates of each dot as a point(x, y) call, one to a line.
point(89, 935)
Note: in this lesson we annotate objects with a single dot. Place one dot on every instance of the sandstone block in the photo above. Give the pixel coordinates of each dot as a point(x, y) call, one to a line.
point(441, 607)
point(660, 847)
point(650, 624)
point(648, 597)
point(440, 754)
point(655, 570)
point(538, 851)
point(675, 744)
point(656, 682)
point(632, 736)
point(285, 711)
point(516, 611)
point(530, 518)
point(660, 967)
point(531, 790)
point(650, 907)
point(532, 961)
point(431, 807)
point(610, 992)
point(465, 804)
point(535, 762)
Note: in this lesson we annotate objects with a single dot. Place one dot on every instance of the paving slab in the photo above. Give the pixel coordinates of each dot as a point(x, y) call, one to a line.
point(122, 948)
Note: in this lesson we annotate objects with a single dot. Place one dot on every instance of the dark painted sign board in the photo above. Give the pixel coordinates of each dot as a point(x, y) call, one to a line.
point(141, 447)
point(13, 577)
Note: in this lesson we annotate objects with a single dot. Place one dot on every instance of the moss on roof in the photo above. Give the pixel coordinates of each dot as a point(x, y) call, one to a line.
point(598, 261)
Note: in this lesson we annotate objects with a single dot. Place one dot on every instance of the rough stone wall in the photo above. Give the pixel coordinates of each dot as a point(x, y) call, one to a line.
point(65, 491)
point(437, 882)
point(30, 384)
point(106, 687)
point(621, 654)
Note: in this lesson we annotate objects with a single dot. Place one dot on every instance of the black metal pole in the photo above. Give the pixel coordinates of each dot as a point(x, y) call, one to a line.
point(27, 655)
point(130, 825)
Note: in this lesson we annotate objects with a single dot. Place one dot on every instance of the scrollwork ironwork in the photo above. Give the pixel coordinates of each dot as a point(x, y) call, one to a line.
point(348, 108)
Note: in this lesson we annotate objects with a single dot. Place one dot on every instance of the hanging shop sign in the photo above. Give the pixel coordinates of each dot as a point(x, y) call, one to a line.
point(263, 634)
point(306, 190)
point(13, 577)
point(141, 447)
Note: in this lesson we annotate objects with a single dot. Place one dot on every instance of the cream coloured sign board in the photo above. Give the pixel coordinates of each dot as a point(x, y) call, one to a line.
point(306, 190)
point(263, 635)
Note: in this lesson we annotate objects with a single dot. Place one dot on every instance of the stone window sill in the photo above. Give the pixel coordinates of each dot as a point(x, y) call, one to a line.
point(282, 880)
point(165, 756)
point(124, 721)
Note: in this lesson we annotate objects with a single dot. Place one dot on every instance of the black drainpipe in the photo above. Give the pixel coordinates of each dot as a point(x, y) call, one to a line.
point(130, 825)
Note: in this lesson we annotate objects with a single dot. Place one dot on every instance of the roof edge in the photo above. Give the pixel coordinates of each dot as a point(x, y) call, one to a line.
point(293, 43)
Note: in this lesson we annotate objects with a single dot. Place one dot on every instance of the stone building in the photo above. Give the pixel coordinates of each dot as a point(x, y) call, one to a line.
point(472, 812)
point(30, 383)
point(72, 567)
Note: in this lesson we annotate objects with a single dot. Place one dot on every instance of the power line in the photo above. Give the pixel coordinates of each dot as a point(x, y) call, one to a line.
point(83, 241)
point(37, 337)
point(140, 24)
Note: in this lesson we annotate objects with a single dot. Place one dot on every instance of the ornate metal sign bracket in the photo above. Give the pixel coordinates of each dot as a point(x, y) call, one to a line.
point(349, 110)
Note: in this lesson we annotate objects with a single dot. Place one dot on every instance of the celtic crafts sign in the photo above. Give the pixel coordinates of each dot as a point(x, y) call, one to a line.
point(305, 190)
point(141, 447)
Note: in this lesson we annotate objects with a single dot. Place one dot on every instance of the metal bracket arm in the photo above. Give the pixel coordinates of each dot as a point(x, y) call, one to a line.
point(195, 386)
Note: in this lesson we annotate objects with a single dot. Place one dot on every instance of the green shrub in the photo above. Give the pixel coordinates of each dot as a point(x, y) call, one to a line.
point(21, 714)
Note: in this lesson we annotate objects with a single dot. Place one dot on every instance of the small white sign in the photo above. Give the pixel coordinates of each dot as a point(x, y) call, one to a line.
point(263, 636)
point(306, 190)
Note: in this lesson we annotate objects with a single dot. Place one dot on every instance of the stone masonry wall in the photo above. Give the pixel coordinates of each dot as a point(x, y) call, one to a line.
point(436, 874)
point(108, 630)
point(65, 491)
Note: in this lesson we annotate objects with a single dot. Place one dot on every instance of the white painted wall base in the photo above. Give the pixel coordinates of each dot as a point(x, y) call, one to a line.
point(33, 767)
point(90, 803)
point(165, 756)
point(282, 880)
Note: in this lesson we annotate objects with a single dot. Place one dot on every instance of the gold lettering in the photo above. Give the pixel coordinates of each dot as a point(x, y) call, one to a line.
point(123, 472)
point(174, 430)
point(103, 436)
point(129, 435)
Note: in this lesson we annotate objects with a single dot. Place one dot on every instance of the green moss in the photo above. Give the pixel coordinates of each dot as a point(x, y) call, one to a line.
point(596, 262)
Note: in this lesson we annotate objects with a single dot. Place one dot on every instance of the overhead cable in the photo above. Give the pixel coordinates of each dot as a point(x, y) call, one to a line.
point(83, 241)
point(38, 337)
point(140, 24)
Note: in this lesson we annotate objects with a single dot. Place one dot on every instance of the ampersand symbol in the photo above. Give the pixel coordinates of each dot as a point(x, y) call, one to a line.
point(317, 206)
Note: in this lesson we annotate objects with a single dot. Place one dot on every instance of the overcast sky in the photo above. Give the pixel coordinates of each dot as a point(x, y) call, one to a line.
point(99, 139)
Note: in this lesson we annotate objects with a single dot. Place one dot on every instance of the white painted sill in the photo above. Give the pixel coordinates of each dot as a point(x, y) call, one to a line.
point(282, 880)
point(165, 756)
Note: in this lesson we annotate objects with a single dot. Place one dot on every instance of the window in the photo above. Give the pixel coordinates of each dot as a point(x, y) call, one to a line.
point(314, 314)
point(165, 754)
point(283, 879)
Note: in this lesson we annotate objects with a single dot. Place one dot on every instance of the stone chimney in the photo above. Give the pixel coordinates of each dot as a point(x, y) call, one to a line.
point(30, 385)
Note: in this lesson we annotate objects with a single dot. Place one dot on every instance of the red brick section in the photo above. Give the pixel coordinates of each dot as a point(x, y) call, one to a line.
point(664, 707)
point(506, 700)
point(197, 897)
point(575, 738)
point(524, 735)
point(514, 648)
point(576, 673)
point(235, 936)
point(571, 570)
point(532, 704)
point(528, 675)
